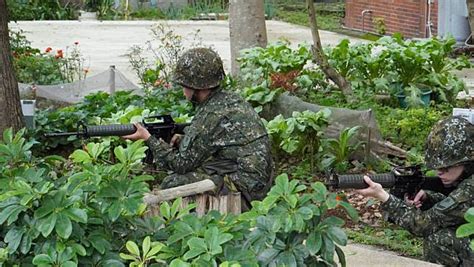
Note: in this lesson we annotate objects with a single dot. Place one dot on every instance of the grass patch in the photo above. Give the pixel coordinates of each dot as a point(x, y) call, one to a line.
point(397, 240)
point(329, 22)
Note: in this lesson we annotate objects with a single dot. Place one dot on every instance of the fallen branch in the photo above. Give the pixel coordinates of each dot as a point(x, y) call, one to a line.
point(179, 191)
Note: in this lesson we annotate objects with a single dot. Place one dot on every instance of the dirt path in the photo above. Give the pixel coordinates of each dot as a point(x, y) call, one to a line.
point(106, 43)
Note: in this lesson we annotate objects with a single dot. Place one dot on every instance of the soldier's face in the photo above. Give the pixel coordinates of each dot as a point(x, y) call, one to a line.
point(188, 93)
point(451, 174)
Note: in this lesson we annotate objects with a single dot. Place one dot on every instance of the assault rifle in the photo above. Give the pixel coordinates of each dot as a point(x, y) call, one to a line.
point(164, 129)
point(402, 180)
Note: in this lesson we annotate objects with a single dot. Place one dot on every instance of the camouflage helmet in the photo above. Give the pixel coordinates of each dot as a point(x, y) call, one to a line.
point(199, 68)
point(451, 142)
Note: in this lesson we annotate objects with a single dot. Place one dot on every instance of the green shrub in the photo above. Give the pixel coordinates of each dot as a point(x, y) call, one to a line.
point(409, 127)
point(84, 211)
point(40, 10)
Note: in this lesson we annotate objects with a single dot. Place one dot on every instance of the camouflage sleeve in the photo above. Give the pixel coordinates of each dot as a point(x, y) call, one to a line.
point(432, 198)
point(447, 213)
point(193, 150)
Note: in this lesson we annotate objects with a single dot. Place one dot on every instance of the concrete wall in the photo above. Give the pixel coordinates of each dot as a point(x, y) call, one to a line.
point(408, 17)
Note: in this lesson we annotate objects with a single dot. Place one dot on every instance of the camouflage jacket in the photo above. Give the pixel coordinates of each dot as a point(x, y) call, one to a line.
point(225, 129)
point(447, 212)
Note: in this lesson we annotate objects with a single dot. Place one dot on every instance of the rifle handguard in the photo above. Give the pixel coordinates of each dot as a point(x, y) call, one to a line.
point(110, 130)
point(356, 181)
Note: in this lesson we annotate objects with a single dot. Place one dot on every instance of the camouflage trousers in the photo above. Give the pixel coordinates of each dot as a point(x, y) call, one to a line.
point(443, 247)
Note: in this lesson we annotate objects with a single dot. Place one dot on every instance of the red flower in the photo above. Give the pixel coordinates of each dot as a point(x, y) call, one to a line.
point(48, 50)
point(59, 54)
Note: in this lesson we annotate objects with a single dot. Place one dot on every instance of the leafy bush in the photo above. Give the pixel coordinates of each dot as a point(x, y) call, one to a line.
point(392, 65)
point(409, 127)
point(40, 10)
point(102, 108)
point(290, 227)
point(339, 150)
point(48, 67)
point(86, 210)
point(53, 213)
point(300, 134)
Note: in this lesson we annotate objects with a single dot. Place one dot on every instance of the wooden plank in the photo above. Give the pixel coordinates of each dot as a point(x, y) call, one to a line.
point(179, 191)
point(201, 204)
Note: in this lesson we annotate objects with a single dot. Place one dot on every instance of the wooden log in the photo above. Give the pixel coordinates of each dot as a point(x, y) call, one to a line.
point(179, 191)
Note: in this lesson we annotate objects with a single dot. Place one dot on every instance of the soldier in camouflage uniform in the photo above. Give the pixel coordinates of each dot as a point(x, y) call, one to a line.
point(431, 215)
point(226, 141)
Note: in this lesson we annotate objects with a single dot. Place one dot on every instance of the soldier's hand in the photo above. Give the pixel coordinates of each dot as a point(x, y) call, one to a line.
point(141, 133)
point(418, 200)
point(176, 140)
point(374, 190)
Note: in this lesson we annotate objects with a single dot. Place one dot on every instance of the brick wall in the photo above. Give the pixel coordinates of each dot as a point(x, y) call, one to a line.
point(405, 16)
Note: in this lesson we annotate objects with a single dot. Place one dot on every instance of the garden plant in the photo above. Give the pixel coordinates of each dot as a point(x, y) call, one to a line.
point(75, 202)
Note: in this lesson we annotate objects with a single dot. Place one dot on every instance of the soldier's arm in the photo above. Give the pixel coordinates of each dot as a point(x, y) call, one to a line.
point(446, 213)
point(431, 199)
point(193, 150)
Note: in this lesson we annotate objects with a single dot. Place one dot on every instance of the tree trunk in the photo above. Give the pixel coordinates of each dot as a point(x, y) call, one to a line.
point(247, 28)
point(11, 114)
point(321, 59)
point(470, 14)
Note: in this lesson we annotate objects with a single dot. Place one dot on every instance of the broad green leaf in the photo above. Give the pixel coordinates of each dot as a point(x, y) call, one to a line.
point(146, 246)
point(351, 211)
point(11, 213)
point(63, 226)
point(120, 154)
point(127, 257)
point(179, 263)
point(333, 221)
point(99, 242)
point(155, 249)
point(320, 191)
point(305, 212)
point(81, 156)
point(469, 216)
point(133, 248)
point(46, 208)
point(69, 264)
point(76, 214)
point(197, 246)
point(79, 249)
point(42, 259)
point(337, 235)
point(165, 210)
point(13, 238)
point(314, 242)
point(341, 256)
point(47, 224)
point(465, 230)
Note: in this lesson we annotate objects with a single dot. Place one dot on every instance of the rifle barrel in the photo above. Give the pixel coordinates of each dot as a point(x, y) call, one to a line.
point(356, 181)
point(62, 134)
